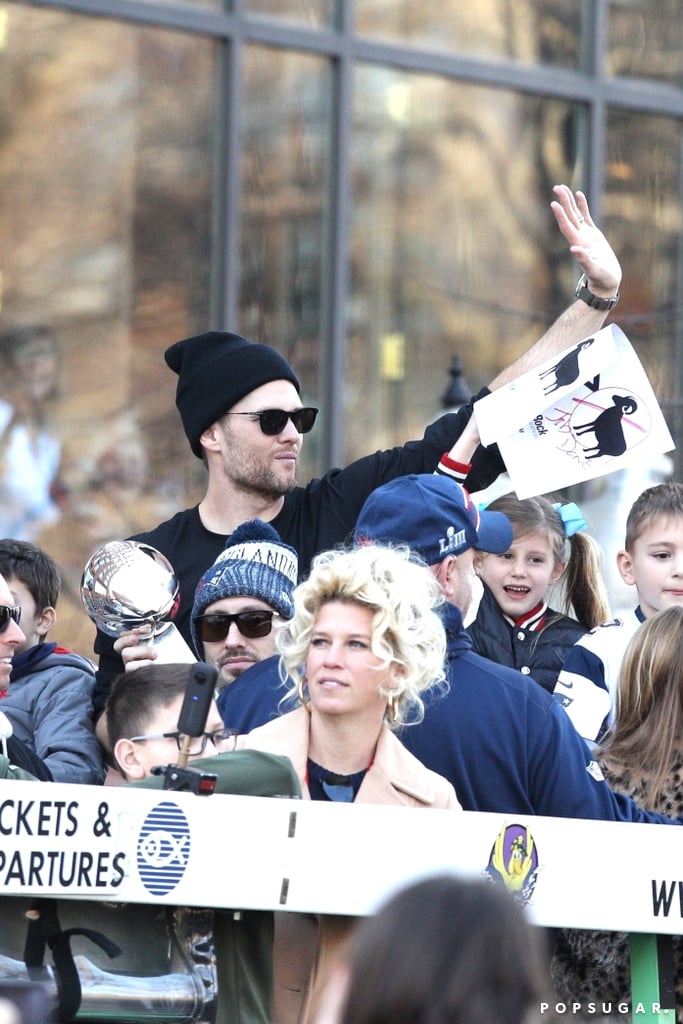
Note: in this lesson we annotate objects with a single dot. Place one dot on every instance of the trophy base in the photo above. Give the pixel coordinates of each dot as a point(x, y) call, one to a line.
point(171, 648)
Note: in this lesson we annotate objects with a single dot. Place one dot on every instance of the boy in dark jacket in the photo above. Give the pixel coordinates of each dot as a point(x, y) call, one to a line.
point(143, 709)
point(49, 698)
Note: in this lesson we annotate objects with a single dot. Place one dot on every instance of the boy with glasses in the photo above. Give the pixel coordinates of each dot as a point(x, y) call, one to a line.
point(142, 719)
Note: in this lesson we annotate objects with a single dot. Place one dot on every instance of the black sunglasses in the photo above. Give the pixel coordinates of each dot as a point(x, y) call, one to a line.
point(9, 612)
point(215, 627)
point(274, 421)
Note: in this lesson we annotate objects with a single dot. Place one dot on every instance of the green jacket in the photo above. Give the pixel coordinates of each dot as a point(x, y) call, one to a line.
point(243, 773)
point(161, 947)
point(243, 943)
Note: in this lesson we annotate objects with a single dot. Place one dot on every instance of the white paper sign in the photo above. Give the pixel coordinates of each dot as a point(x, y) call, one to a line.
point(606, 422)
point(509, 408)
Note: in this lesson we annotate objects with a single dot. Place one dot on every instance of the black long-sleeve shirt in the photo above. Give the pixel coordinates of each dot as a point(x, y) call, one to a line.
point(314, 518)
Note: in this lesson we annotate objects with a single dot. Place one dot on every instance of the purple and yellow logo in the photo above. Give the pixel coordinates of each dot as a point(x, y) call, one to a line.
point(514, 861)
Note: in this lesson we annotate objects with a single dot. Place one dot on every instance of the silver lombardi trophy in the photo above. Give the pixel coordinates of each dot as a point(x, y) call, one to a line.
point(128, 585)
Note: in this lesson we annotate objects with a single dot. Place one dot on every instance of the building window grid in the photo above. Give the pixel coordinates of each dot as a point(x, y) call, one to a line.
point(233, 28)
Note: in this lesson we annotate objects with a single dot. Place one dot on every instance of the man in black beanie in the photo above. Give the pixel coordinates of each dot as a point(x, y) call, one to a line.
point(241, 409)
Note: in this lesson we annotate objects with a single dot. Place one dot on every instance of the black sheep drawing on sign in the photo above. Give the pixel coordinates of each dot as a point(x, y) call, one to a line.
point(566, 371)
point(608, 429)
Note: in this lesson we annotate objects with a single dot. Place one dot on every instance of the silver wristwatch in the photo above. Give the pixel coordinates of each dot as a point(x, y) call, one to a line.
point(583, 292)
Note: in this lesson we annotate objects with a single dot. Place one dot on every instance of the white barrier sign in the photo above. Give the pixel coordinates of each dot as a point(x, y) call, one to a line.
point(150, 846)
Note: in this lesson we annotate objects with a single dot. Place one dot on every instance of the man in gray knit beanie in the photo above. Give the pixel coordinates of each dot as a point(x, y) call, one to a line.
point(241, 598)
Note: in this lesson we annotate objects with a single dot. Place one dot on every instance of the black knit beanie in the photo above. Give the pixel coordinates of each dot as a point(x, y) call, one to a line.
point(215, 370)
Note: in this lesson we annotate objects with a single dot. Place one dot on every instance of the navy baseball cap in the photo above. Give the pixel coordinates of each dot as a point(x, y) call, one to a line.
point(433, 515)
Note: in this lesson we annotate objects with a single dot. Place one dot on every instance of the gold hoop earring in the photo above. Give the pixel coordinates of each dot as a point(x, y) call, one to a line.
point(300, 693)
point(392, 708)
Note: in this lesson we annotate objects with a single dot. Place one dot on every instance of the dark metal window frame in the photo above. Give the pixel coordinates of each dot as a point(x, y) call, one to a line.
point(232, 29)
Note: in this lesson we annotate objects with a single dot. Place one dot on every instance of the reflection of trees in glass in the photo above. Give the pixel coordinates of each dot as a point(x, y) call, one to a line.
point(106, 149)
point(285, 135)
point(643, 172)
point(110, 226)
point(530, 31)
point(646, 40)
point(316, 13)
point(453, 246)
point(30, 449)
point(284, 167)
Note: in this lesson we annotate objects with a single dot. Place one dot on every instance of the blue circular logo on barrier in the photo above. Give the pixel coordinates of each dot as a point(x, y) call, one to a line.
point(163, 848)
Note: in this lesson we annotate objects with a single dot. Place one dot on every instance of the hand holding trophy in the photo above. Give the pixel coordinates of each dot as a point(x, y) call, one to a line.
point(129, 585)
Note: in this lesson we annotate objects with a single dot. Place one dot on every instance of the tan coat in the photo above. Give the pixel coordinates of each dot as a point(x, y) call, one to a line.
point(396, 775)
point(306, 946)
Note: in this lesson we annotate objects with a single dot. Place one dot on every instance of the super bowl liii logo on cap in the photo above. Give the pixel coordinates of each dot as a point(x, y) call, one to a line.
point(163, 848)
point(453, 541)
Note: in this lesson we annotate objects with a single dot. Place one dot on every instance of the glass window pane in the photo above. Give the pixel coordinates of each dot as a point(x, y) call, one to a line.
point(105, 237)
point(316, 13)
point(531, 31)
point(285, 164)
point(646, 40)
point(213, 4)
point(454, 249)
point(643, 212)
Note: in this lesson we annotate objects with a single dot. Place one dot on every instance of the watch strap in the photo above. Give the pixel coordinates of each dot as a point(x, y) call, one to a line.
point(583, 292)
